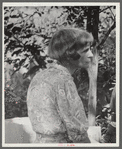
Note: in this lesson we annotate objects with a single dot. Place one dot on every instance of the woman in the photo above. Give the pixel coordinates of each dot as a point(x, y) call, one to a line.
point(54, 106)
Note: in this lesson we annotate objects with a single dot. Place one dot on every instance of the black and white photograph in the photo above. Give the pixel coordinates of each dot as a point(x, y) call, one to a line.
point(61, 67)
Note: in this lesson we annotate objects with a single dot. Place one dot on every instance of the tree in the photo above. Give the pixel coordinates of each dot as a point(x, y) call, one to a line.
point(93, 20)
point(92, 13)
point(29, 35)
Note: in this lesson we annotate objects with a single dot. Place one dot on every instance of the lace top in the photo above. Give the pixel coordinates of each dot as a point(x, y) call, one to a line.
point(54, 105)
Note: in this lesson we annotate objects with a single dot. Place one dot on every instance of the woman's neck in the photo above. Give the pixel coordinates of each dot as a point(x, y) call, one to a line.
point(71, 68)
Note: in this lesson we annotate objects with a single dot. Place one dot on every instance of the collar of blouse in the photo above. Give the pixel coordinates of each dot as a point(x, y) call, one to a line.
point(58, 66)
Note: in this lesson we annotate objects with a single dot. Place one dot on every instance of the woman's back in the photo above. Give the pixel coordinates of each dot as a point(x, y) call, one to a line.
point(54, 105)
point(42, 109)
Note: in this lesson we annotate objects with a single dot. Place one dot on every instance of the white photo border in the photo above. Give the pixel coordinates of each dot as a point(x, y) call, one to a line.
point(117, 4)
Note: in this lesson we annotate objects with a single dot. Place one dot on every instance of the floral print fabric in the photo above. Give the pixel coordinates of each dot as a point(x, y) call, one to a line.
point(54, 106)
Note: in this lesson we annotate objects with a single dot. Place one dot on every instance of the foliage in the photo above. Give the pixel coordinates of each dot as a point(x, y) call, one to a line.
point(27, 33)
point(15, 92)
point(29, 29)
point(14, 105)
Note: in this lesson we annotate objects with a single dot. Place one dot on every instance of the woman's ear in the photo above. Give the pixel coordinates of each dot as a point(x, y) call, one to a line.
point(73, 55)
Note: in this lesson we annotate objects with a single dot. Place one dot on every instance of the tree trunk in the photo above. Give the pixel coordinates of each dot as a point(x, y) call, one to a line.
point(93, 20)
point(92, 26)
point(92, 101)
point(92, 72)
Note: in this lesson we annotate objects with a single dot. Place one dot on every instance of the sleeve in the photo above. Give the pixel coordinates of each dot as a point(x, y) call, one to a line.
point(72, 112)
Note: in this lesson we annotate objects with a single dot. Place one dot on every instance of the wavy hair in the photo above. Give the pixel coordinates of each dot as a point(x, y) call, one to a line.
point(68, 40)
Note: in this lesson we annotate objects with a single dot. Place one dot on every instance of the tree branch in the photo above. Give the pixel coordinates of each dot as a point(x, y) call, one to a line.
point(112, 14)
point(106, 36)
point(105, 9)
point(16, 70)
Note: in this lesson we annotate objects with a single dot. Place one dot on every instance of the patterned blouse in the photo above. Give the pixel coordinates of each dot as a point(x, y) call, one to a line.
point(55, 108)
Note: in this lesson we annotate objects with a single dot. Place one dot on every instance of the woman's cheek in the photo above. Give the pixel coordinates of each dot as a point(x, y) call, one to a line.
point(83, 62)
point(80, 62)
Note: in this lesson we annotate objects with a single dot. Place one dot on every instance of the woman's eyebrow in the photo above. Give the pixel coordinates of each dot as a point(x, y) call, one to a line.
point(85, 50)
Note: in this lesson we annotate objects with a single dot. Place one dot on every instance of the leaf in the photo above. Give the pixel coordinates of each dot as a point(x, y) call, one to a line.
point(39, 14)
point(6, 40)
point(108, 13)
point(16, 29)
point(22, 61)
point(56, 7)
point(31, 71)
point(5, 8)
point(27, 36)
point(14, 16)
point(26, 65)
point(7, 33)
point(6, 18)
point(10, 26)
point(18, 51)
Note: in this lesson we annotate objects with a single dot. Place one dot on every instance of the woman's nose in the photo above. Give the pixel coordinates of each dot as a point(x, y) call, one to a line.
point(90, 54)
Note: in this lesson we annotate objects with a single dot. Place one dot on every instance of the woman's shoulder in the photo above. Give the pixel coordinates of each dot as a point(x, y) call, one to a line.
point(53, 75)
point(46, 75)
